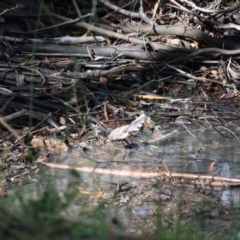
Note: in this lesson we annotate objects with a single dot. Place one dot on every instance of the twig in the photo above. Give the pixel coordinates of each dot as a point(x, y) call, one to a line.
point(140, 14)
point(231, 132)
point(188, 131)
point(179, 6)
point(10, 9)
point(183, 73)
point(71, 21)
point(77, 8)
point(195, 7)
point(9, 128)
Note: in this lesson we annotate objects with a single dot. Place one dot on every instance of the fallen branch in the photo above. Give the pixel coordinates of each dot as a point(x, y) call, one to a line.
point(210, 180)
point(182, 31)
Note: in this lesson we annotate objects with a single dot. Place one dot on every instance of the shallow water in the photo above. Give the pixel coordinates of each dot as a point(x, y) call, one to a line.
point(190, 150)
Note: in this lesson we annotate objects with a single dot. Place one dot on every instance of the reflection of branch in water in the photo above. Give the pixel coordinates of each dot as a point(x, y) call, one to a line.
point(230, 132)
point(189, 131)
point(162, 137)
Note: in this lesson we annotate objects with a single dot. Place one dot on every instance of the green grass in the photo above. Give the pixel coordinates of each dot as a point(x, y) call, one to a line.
point(47, 217)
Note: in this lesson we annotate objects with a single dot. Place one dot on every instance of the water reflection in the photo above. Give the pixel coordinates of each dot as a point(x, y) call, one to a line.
point(231, 197)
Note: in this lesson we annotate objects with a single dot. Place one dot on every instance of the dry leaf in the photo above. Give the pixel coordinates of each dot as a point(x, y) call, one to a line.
point(83, 191)
point(98, 196)
point(213, 74)
point(55, 74)
point(50, 143)
point(3, 192)
point(122, 132)
point(103, 79)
